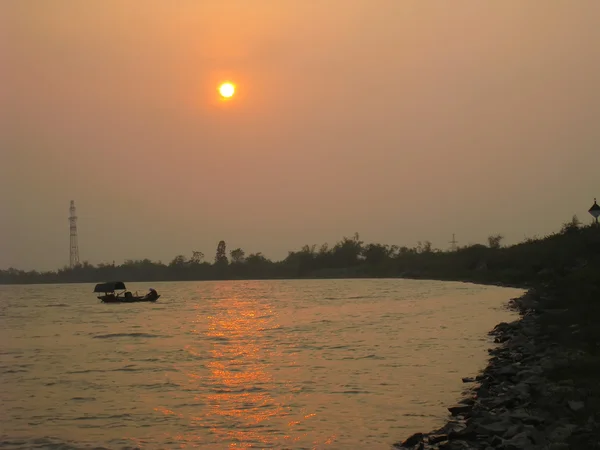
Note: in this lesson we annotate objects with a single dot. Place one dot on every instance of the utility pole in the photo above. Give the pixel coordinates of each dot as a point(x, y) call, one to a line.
point(73, 245)
point(453, 242)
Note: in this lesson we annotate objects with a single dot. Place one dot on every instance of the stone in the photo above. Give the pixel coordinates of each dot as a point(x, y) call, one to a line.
point(523, 416)
point(512, 431)
point(576, 406)
point(522, 389)
point(562, 432)
point(455, 445)
point(520, 441)
point(459, 409)
point(497, 402)
point(465, 433)
point(412, 440)
point(497, 442)
point(493, 429)
point(470, 401)
point(436, 439)
point(468, 380)
point(559, 446)
point(536, 434)
point(507, 370)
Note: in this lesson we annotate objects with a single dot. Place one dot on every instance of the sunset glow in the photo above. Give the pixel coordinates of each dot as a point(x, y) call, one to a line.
point(227, 90)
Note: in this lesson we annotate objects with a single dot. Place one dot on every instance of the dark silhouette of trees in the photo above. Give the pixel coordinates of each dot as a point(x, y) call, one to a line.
point(237, 256)
point(495, 240)
point(347, 252)
point(376, 254)
point(178, 262)
point(424, 247)
point(197, 257)
point(533, 259)
point(571, 226)
point(221, 256)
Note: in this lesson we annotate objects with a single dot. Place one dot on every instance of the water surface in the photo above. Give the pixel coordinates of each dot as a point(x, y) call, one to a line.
point(252, 364)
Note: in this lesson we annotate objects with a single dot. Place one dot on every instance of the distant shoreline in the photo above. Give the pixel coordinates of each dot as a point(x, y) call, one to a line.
point(531, 261)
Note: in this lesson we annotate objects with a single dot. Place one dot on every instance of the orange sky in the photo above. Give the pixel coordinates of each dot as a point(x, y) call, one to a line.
point(402, 120)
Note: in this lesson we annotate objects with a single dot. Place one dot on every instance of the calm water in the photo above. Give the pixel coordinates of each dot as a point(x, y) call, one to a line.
point(340, 364)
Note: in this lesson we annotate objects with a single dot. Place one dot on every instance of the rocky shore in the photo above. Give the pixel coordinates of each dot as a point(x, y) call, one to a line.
point(525, 398)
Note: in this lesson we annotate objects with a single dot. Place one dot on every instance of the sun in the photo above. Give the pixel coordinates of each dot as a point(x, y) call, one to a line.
point(227, 90)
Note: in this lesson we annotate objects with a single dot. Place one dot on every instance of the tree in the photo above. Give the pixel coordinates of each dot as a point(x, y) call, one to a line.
point(571, 226)
point(494, 241)
point(237, 256)
point(197, 257)
point(347, 252)
point(309, 249)
point(221, 256)
point(178, 261)
point(404, 250)
point(376, 253)
point(423, 247)
point(257, 258)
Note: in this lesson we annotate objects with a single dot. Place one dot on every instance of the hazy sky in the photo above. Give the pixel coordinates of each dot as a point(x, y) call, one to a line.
point(402, 120)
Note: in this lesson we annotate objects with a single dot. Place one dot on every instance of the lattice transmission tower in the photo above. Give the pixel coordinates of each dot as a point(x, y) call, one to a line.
point(453, 243)
point(74, 246)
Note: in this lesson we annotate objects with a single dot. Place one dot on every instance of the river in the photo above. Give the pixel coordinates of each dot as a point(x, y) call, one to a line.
point(300, 364)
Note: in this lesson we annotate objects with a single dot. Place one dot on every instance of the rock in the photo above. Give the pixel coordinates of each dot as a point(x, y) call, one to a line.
point(559, 446)
point(576, 406)
point(501, 327)
point(465, 433)
point(507, 370)
point(562, 432)
point(522, 389)
point(500, 401)
point(493, 429)
point(470, 401)
point(455, 445)
point(459, 409)
point(468, 380)
point(523, 416)
point(520, 441)
point(436, 439)
point(512, 431)
point(536, 435)
point(412, 440)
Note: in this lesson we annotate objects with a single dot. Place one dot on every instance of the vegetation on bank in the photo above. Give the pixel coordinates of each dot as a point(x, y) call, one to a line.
point(531, 261)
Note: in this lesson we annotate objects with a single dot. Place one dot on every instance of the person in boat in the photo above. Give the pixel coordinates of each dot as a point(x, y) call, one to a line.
point(152, 293)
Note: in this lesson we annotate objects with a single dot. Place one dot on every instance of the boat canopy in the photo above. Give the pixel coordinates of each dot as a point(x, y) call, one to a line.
point(110, 287)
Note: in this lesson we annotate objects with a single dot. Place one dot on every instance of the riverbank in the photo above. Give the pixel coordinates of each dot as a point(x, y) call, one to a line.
point(528, 262)
point(540, 389)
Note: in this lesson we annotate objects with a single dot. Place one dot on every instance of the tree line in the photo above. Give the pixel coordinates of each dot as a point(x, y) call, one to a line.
point(351, 257)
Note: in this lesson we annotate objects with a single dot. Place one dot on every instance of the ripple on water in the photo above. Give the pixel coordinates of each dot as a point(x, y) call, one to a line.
point(278, 364)
point(126, 335)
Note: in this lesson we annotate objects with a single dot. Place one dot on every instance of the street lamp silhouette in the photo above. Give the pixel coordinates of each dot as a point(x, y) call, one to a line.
point(595, 211)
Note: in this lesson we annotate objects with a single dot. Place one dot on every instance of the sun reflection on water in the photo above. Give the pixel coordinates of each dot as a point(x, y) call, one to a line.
point(241, 400)
point(241, 403)
point(239, 381)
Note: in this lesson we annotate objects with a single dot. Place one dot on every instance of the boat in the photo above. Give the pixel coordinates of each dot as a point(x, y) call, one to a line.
point(116, 292)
